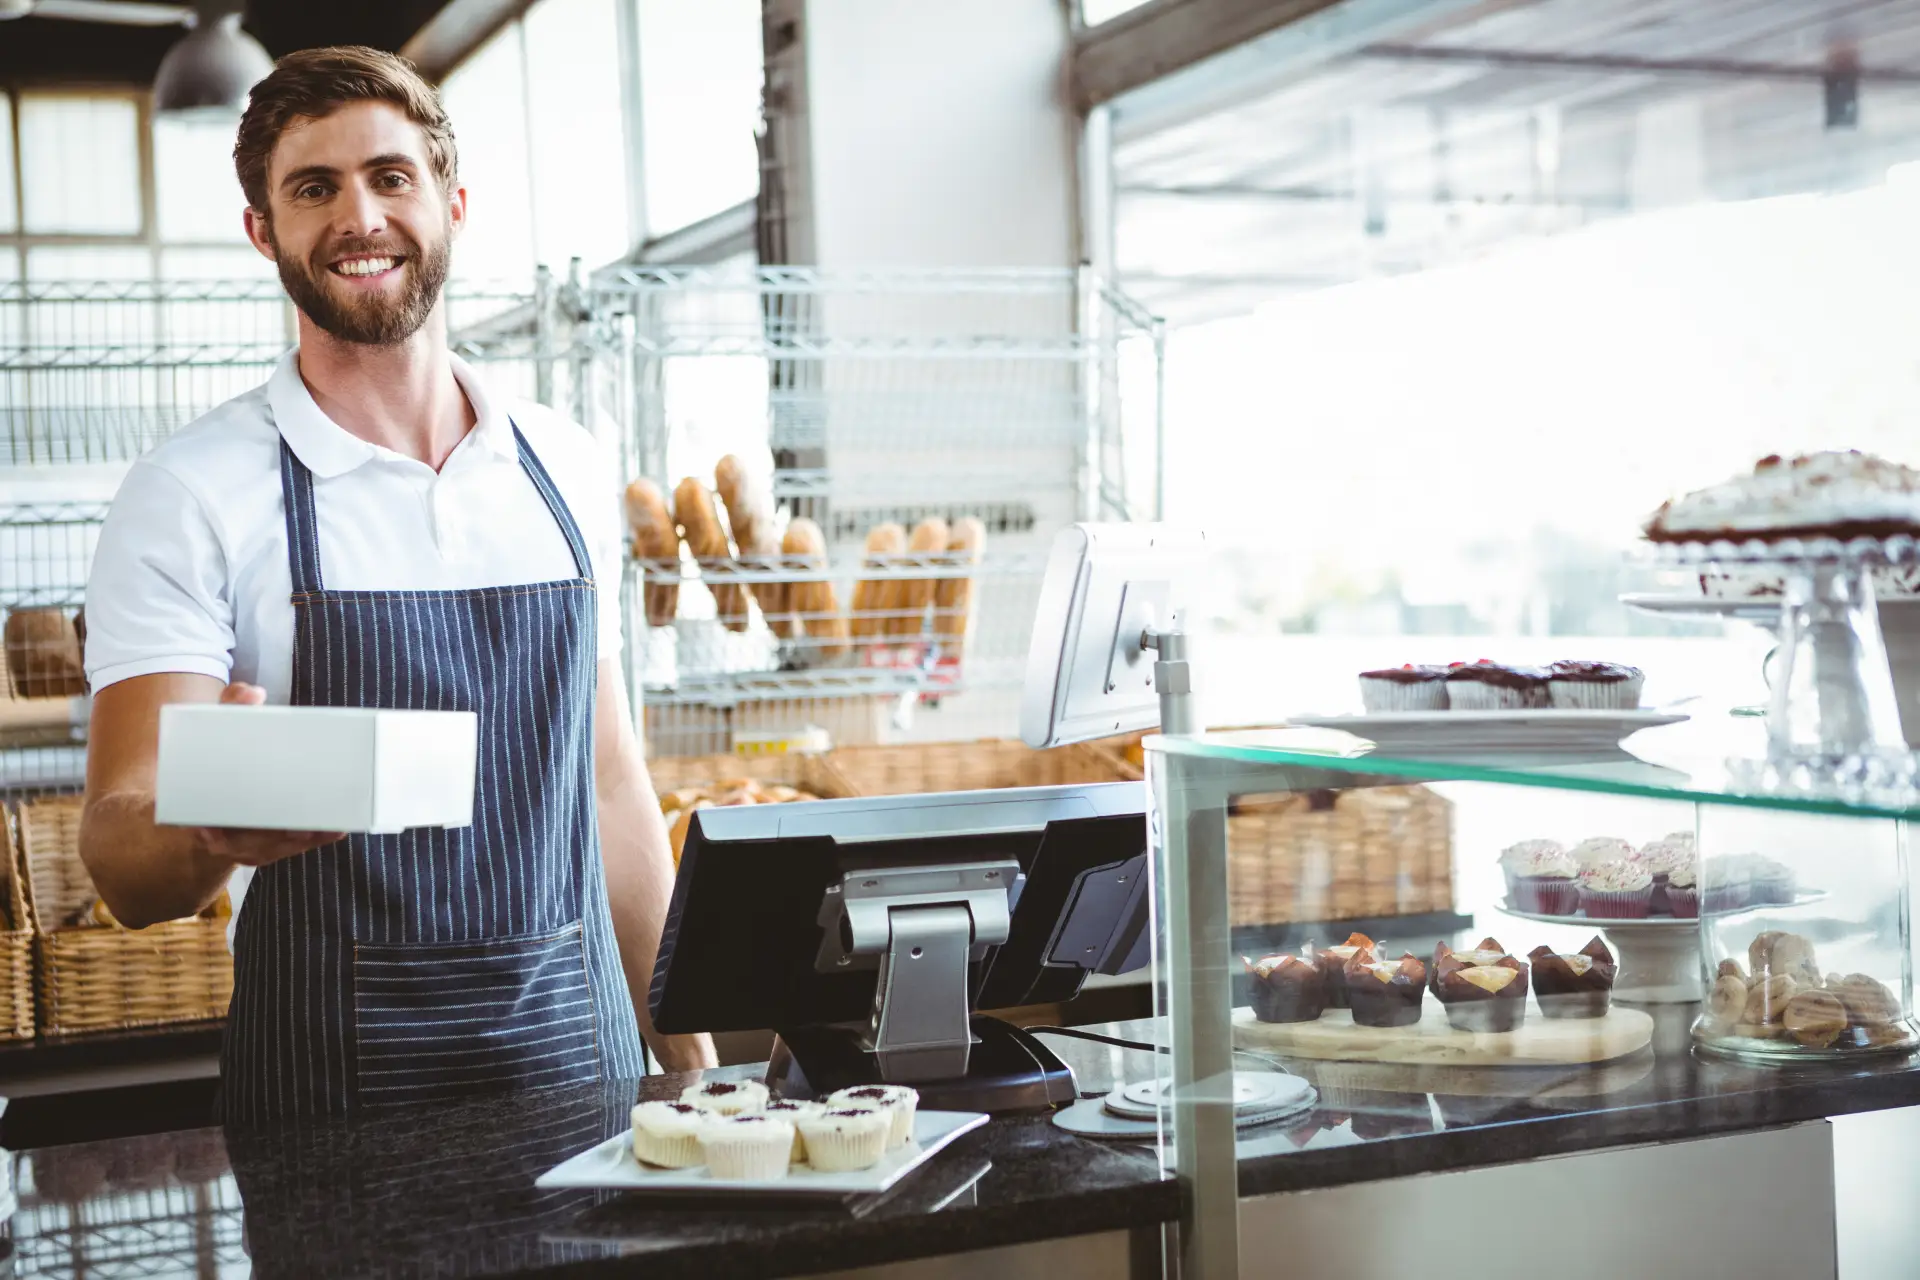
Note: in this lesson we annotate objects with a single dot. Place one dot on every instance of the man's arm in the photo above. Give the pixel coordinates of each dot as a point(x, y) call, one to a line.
point(146, 872)
point(633, 844)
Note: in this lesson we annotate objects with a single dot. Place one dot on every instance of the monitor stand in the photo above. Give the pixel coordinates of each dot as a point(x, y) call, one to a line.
point(1008, 1069)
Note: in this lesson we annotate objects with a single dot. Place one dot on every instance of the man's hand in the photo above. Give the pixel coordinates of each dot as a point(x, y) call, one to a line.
point(245, 846)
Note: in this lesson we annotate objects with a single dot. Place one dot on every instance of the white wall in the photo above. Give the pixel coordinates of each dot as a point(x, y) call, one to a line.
point(941, 134)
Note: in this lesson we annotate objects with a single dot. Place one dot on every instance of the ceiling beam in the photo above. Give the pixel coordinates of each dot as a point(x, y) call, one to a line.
point(1166, 36)
point(1623, 64)
point(452, 34)
point(1346, 195)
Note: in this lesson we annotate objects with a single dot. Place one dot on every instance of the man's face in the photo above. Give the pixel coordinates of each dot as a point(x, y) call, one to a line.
point(357, 224)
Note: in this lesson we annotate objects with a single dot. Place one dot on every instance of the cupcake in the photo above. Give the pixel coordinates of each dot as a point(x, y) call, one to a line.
point(1683, 892)
point(1723, 887)
point(754, 1147)
point(1286, 989)
point(1620, 890)
point(1493, 686)
point(1771, 883)
point(1573, 986)
point(1331, 961)
point(1594, 686)
point(667, 1134)
point(793, 1113)
point(1384, 993)
point(1662, 858)
point(1541, 878)
point(1481, 990)
point(842, 1139)
point(1592, 852)
point(898, 1101)
point(1408, 688)
point(726, 1097)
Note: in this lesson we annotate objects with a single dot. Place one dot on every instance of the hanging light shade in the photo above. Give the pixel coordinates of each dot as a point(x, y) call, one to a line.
point(210, 70)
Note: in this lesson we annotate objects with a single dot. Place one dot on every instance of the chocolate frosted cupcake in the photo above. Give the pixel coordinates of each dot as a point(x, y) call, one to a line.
point(1384, 993)
point(1594, 686)
point(1482, 990)
point(1579, 985)
point(1493, 686)
point(1408, 688)
point(1286, 989)
point(1331, 960)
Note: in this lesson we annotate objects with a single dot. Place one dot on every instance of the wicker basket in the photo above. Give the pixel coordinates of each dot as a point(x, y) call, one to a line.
point(813, 773)
point(1339, 855)
point(987, 765)
point(16, 945)
point(100, 978)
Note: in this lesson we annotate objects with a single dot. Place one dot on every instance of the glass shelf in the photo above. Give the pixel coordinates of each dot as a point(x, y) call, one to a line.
point(1347, 761)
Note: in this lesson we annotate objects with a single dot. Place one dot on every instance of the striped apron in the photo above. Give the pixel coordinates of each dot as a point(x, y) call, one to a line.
point(432, 963)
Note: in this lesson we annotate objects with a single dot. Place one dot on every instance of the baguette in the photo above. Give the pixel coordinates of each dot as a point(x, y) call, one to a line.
point(750, 517)
point(655, 538)
point(699, 519)
point(812, 606)
point(908, 599)
point(953, 603)
point(884, 541)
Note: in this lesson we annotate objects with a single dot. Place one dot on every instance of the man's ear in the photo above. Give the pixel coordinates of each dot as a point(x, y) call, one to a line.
point(260, 233)
point(457, 209)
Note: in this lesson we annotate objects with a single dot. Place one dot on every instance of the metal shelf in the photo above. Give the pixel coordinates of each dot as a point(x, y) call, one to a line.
point(825, 682)
point(772, 569)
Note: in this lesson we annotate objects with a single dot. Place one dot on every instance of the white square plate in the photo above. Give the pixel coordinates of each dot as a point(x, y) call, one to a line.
point(1430, 734)
point(612, 1164)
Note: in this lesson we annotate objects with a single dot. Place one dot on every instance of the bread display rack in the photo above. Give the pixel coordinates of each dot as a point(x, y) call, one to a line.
point(895, 451)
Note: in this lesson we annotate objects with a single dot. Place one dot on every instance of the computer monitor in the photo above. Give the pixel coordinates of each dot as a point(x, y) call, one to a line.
point(866, 933)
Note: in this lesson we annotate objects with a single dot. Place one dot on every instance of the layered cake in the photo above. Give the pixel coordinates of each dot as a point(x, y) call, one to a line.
point(1840, 495)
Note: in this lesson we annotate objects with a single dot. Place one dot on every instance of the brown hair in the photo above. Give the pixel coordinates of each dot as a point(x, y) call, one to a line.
point(315, 83)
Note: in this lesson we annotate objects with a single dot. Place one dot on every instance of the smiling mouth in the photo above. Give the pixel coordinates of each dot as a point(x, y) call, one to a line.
point(360, 268)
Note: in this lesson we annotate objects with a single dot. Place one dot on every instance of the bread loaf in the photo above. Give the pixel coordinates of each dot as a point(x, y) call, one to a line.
point(655, 538)
point(43, 654)
point(908, 598)
point(750, 516)
point(699, 521)
point(812, 606)
point(953, 602)
point(870, 595)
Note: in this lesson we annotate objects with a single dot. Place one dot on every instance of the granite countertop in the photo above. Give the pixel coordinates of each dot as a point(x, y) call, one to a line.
point(449, 1189)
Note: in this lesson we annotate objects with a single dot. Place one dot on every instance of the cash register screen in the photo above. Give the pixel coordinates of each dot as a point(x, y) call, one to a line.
point(743, 932)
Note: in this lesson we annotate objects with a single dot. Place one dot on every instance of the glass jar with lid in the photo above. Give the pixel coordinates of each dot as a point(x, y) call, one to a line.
point(1805, 936)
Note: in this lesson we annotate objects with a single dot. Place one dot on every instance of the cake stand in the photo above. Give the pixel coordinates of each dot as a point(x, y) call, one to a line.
point(1834, 724)
point(1657, 959)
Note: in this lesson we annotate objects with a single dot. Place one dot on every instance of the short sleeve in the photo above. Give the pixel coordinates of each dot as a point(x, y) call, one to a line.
point(157, 598)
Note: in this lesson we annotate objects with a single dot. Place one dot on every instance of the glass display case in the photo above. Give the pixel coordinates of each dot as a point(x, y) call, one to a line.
point(1742, 938)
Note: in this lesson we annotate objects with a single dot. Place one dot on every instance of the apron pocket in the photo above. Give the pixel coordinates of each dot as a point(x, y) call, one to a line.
point(442, 1018)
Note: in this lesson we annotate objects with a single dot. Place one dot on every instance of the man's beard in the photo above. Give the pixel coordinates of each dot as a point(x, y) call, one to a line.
point(373, 320)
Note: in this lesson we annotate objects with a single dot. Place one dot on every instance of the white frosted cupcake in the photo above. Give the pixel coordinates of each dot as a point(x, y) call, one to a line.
point(1599, 851)
point(895, 1099)
point(747, 1148)
point(667, 1134)
point(793, 1113)
point(846, 1138)
point(727, 1097)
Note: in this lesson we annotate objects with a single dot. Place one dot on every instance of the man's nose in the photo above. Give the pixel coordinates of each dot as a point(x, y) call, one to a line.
point(358, 212)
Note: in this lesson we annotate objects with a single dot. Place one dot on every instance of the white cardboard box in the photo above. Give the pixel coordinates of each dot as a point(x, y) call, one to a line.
point(315, 768)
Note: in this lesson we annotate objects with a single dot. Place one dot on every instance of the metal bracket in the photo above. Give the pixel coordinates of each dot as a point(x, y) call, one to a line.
point(920, 926)
point(1173, 681)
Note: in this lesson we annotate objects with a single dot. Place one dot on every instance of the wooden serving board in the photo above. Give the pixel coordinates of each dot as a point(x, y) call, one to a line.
point(1539, 1041)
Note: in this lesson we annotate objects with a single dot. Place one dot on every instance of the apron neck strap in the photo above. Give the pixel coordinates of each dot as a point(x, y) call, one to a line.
point(550, 493)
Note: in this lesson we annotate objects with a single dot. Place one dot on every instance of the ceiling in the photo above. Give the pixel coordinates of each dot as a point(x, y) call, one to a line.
point(1516, 118)
point(42, 50)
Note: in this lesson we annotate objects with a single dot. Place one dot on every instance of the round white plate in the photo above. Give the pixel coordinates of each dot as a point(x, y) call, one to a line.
point(1541, 732)
point(1764, 610)
point(1661, 923)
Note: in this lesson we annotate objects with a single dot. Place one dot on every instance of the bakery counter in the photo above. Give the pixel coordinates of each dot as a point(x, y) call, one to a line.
point(450, 1188)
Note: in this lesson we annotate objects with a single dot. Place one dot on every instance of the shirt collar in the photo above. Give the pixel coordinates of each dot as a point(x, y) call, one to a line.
point(327, 449)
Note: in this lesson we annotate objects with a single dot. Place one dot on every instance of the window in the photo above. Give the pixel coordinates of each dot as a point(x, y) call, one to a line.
point(80, 163)
point(700, 79)
point(9, 195)
point(196, 192)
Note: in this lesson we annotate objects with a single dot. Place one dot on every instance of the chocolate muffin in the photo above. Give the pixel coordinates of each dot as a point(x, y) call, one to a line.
point(1408, 688)
point(1594, 686)
point(1579, 985)
point(1481, 990)
point(1286, 989)
point(1494, 686)
point(1331, 960)
point(1385, 993)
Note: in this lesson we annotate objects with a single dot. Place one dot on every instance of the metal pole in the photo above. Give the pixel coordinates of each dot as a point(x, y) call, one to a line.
point(1173, 681)
point(542, 334)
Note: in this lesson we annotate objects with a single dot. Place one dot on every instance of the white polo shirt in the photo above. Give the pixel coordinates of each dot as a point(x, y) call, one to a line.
point(191, 572)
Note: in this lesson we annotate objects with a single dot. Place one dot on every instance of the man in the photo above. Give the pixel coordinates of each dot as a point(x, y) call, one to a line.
point(373, 527)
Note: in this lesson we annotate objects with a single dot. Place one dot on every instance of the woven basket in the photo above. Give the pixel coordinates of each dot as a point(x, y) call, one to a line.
point(812, 773)
point(16, 945)
point(1339, 855)
point(987, 765)
point(100, 978)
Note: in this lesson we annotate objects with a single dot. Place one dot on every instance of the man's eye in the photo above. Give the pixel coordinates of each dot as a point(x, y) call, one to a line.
point(312, 191)
point(394, 180)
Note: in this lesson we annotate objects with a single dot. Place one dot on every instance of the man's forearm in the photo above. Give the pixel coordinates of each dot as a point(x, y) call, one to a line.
point(146, 873)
